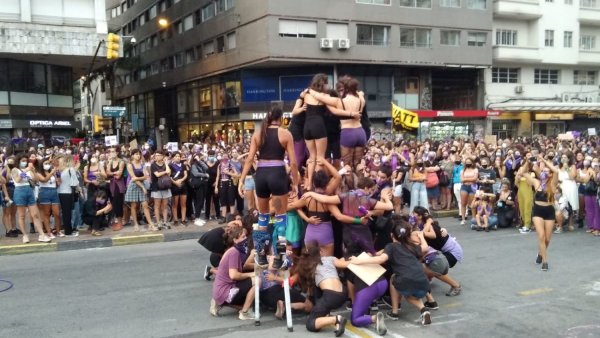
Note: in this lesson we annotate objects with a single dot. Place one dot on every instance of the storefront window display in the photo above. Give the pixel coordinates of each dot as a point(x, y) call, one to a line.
point(441, 130)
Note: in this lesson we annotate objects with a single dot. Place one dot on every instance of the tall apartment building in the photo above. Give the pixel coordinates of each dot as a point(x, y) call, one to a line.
point(546, 61)
point(45, 46)
point(220, 63)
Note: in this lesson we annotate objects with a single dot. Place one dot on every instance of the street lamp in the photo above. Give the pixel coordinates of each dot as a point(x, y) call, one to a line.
point(163, 22)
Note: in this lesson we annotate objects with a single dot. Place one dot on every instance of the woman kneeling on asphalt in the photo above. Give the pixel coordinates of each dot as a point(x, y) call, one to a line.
point(95, 211)
point(233, 287)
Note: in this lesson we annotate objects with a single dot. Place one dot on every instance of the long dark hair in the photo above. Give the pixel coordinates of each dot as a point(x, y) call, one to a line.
point(307, 264)
point(273, 115)
point(318, 82)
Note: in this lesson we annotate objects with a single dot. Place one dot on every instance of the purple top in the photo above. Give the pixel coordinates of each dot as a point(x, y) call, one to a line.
point(353, 200)
point(454, 248)
point(223, 284)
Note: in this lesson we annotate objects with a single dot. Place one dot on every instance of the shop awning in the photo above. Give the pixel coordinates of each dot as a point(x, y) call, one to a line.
point(535, 106)
point(427, 114)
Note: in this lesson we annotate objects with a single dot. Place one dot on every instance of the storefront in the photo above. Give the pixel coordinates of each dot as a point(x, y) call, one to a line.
point(444, 124)
point(36, 129)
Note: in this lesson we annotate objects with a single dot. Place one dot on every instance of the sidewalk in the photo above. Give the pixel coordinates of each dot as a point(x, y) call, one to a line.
point(126, 236)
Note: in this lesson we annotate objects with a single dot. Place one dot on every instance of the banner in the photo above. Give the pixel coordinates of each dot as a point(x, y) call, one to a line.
point(404, 120)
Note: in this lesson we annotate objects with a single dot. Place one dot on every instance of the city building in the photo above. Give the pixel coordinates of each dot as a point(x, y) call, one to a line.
point(216, 66)
point(546, 60)
point(45, 47)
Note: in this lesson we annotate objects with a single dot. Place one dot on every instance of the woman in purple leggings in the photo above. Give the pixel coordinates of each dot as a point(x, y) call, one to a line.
point(364, 296)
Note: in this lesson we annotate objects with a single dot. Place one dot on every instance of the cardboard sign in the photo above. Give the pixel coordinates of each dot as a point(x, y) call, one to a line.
point(368, 273)
point(491, 139)
point(591, 131)
point(172, 146)
point(133, 144)
point(565, 137)
point(111, 140)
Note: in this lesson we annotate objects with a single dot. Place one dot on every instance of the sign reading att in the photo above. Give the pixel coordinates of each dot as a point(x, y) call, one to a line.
point(113, 111)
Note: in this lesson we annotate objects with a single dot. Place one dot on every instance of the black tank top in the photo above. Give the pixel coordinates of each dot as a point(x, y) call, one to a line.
point(324, 216)
point(314, 110)
point(541, 196)
point(271, 148)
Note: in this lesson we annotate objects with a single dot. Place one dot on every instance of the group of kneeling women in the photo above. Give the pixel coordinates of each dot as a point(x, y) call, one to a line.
point(418, 251)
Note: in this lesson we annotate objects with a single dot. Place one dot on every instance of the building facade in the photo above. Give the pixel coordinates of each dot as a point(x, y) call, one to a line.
point(546, 61)
point(45, 46)
point(219, 64)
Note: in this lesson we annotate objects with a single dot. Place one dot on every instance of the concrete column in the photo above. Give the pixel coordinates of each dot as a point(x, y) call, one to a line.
point(100, 17)
point(26, 10)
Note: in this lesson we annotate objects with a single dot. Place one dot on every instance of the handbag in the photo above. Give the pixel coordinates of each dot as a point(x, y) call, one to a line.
point(591, 187)
point(443, 178)
point(431, 180)
point(164, 182)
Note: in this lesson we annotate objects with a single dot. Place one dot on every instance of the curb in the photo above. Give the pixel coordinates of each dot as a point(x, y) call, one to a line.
point(117, 240)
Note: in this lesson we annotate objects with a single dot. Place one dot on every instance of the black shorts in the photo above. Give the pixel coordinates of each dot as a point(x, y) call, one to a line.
point(275, 293)
point(451, 259)
point(178, 191)
point(244, 286)
point(333, 147)
point(314, 128)
point(227, 193)
point(271, 181)
point(547, 213)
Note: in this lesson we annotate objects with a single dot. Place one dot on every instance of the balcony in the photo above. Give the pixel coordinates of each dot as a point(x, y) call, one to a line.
point(589, 13)
point(589, 57)
point(517, 9)
point(516, 54)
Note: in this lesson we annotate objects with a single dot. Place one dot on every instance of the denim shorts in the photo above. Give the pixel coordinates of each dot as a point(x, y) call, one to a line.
point(468, 188)
point(48, 196)
point(249, 183)
point(24, 196)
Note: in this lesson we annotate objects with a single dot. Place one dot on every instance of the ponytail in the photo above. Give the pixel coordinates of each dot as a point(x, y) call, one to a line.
point(273, 115)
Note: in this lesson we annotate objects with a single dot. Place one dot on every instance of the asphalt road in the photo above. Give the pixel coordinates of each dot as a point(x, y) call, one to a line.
point(157, 290)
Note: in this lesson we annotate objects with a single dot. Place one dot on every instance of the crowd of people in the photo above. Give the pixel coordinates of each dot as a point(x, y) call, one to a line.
point(312, 198)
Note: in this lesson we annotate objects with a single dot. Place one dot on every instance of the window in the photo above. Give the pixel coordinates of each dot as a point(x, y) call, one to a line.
point(476, 4)
point(208, 48)
point(588, 4)
point(477, 39)
point(143, 45)
point(450, 3)
point(588, 42)
point(27, 77)
point(549, 38)
point(190, 56)
point(416, 3)
point(297, 29)
point(188, 23)
point(506, 37)
point(450, 38)
point(178, 60)
point(208, 11)
point(584, 77)
point(60, 80)
point(152, 12)
point(549, 0)
point(231, 41)
point(505, 75)
point(220, 44)
point(223, 5)
point(337, 30)
point(568, 39)
point(372, 35)
point(411, 37)
point(165, 65)
point(142, 19)
point(568, 2)
point(154, 68)
point(374, 2)
point(545, 76)
point(178, 27)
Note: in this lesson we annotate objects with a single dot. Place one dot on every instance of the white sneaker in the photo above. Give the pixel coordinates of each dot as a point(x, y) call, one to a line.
point(44, 239)
point(73, 234)
point(61, 233)
point(199, 222)
point(51, 235)
point(248, 315)
point(214, 308)
point(25, 239)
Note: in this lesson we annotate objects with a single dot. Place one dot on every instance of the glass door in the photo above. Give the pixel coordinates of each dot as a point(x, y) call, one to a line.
point(552, 128)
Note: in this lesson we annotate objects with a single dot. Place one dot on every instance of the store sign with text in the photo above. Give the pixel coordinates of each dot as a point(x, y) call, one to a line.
point(42, 123)
point(258, 116)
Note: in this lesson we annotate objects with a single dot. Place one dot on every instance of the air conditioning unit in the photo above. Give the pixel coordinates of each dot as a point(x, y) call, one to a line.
point(343, 43)
point(566, 97)
point(518, 89)
point(591, 99)
point(326, 43)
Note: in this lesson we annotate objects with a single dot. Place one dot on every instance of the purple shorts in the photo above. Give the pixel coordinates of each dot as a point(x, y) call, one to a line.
point(353, 137)
point(301, 152)
point(321, 233)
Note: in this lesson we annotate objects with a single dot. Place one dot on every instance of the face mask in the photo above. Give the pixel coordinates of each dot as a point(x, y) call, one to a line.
point(468, 165)
point(47, 166)
point(211, 159)
point(484, 165)
point(48, 152)
point(498, 154)
point(242, 247)
point(225, 160)
point(503, 145)
point(564, 160)
point(100, 202)
point(68, 152)
point(94, 160)
point(587, 163)
point(452, 151)
point(146, 147)
point(219, 158)
point(584, 149)
point(517, 154)
point(420, 165)
point(61, 151)
point(457, 162)
point(595, 164)
point(23, 165)
point(412, 220)
point(10, 165)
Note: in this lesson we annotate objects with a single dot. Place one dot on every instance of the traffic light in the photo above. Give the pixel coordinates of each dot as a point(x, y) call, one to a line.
point(286, 121)
point(101, 124)
point(113, 46)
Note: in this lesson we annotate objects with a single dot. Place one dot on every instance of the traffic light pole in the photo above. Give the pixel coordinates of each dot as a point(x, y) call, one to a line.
point(88, 85)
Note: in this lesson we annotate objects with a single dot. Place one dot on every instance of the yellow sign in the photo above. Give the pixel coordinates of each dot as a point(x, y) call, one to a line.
point(404, 119)
point(553, 116)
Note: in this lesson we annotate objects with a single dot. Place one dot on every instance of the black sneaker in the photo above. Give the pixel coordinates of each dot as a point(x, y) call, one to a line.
point(425, 316)
point(386, 300)
point(222, 220)
point(12, 233)
point(432, 305)
point(349, 306)
point(31, 229)
point(393, 316)
point(18, 231)
point(538, 259)
point(207, 273)
point(280, 262)
point(544, 266)
point(261, 260)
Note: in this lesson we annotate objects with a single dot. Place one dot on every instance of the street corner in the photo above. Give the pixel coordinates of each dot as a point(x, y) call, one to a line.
point(137, 239)
point(19, 249)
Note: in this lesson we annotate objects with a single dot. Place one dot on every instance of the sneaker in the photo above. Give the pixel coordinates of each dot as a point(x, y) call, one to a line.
point(524, 230)
point(393, 316)
point(73, 234)
point(248, 315)
point(386, 300)
point(425, 316)
point(431, 305)
point(214, 308)
point(61, 234)
point(96, 233)
point(44, 239)
point(454, 291)
point(51, 236)
point(380, 324)
point(261, 260)
point(538, 259)
point(25, 239)
point(12, 233)
point(207, 273)
point(342, 325)
point(222, 220)
point(558, 231)
point(349, 305)
point(462, 222)
point(374, 307)
point(199, 222)
point(544, 266)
